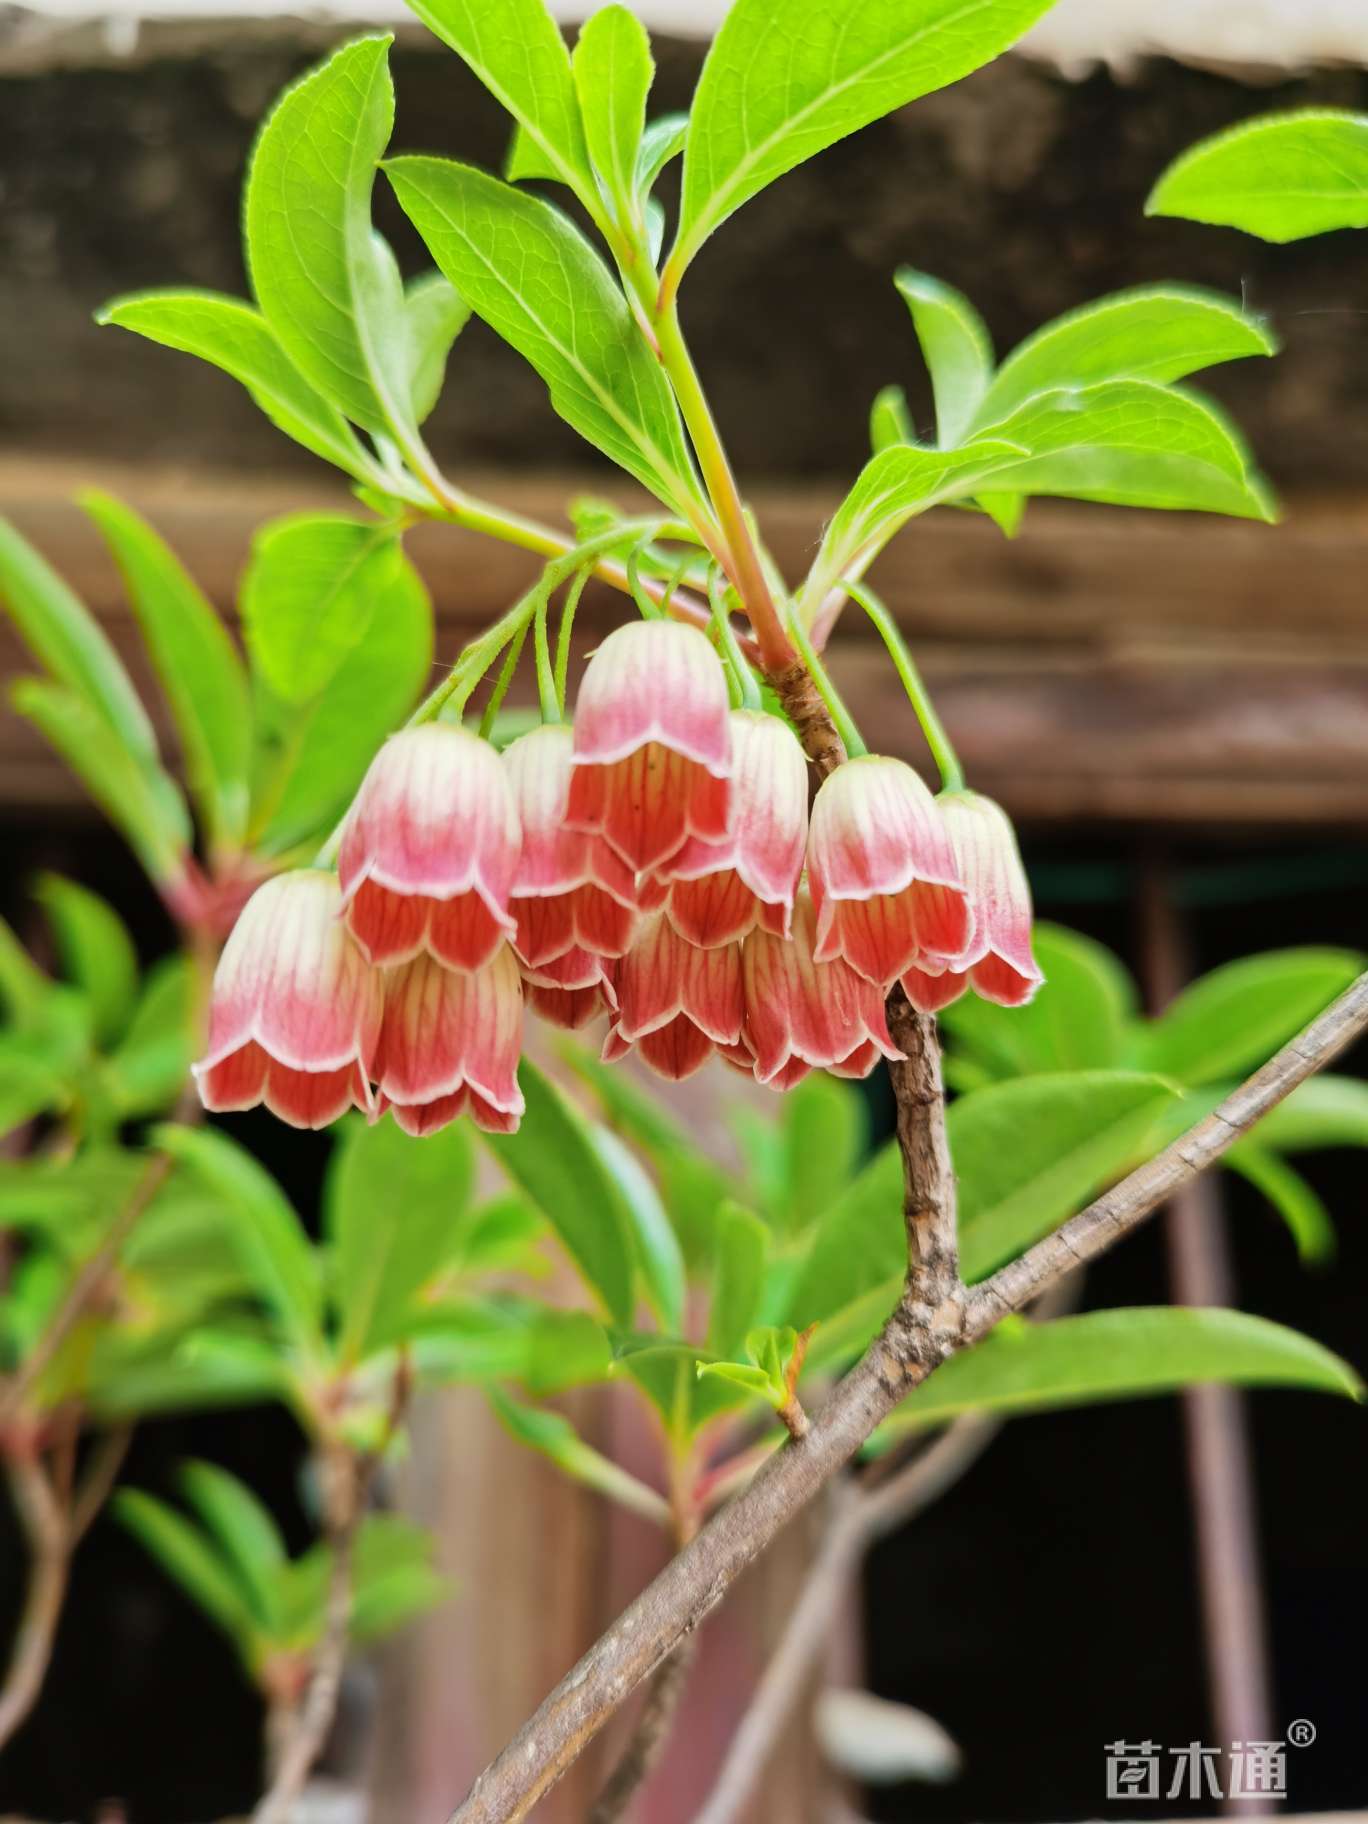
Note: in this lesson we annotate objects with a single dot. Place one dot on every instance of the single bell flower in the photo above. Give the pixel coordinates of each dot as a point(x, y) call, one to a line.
point(676, 1002)
point(450, 1044)
point(429, 850)
point(1001, 964)
point(295, 1011)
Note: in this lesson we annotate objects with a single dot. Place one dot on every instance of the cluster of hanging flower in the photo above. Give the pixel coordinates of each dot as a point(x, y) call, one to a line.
point(647, 863)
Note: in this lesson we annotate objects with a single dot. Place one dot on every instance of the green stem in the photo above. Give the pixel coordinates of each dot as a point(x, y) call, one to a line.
point(942, 750)
point(836, 709)
point(505, 678)
point(747, 690)
point(567, 625)
point(741, 557)
point(546, 676)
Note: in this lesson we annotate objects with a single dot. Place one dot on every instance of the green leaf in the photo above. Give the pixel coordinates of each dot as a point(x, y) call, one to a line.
point(526, 161)
point(657, 1247)
point(662, 140)
point(516, 50)
point(741, 1251)
point(1282, 177)
point(393, 1208)
point(311, 586)
point(899, 482)
point(275, 1251)
point(394, 1579)
point(1116, 1355)
point(890, 422)
point(786, 78)
point(641, 1116)
point(66, 638)
point(1236, 1018)
point(824, 1133)
point(613, 69)
point(529, 272)
point(1131, 443)
point(1158, 333)
point(1078, 1020)
point(1326, 1110)
point(554, 1159)
point(25, 992)
point(244, 1532)
point(1030, 1153)
point(956, 347)
point(235, 337)
point(435, 313)
point(311, 758)
point(1306, 1216)
point(148, 1068)
point(27, 1089)
point(142, 803)
point(196, 662)
point(96, 951)
point(187, 1557)
point(327, 284)
point(856, 1247)
point(555, 1437)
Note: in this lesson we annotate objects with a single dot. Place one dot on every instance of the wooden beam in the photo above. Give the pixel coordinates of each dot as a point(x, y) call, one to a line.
point(1110, 667)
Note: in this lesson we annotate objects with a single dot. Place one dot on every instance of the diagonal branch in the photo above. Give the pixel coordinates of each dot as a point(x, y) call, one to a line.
point(904, 1352)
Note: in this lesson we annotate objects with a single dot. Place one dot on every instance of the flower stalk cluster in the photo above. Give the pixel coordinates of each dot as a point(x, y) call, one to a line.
point(653, 862)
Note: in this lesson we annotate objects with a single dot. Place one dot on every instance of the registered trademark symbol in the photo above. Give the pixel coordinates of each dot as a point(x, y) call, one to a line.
point(1301, 1734)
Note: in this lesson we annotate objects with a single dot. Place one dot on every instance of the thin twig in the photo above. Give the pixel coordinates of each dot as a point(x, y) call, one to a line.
point(92, 1491)
point(647, 1741)
point(860, 1516)
point(900, 1357)
point(46, 1532)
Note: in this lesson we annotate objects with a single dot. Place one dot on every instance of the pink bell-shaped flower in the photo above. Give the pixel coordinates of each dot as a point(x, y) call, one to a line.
point(675, 1001)
point(450, 1045)
point(295, 1013)
point(571, 989)
point(716, 891)
point(570, 889)
point(885, 881)
point(652, 747)
point(802, 1015)
point(1001, 964)
point(429, 850)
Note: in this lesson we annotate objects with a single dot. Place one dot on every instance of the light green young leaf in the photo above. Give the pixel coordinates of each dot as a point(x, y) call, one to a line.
point(657, 1246)
point(1077, 1021)
point(555, 1437)
point(96, 951)
point(786, 78)
point(1326, 1110)
point(662, 140)
point(61, 632)
point(27, 1087)
point(196, 661)
point(1282, 177)
point(516, 50)
point(232, 335)
point(890, 422)
point(553, 1158)
point(327, 284)
point(1116, 1355)
point(1237, 1016)
point(435, 313)
point(1029, 1153)
point(956, 347)
point(393, 1207)
point(529, 272)
point(311, 587)
point(857, 1247)
point(276, 1253)
point(1131, 443)
point(613, 69)
point(901, 481)
point(1308, 1221)
point(243, 1530)
point(25, 992)
point(740, 1252)
point(1159, 333)
point(186, 1555)
point(140, 800)
point(395, 1579)
point(207, 1371)
point(525, 161)
point(311, 757)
